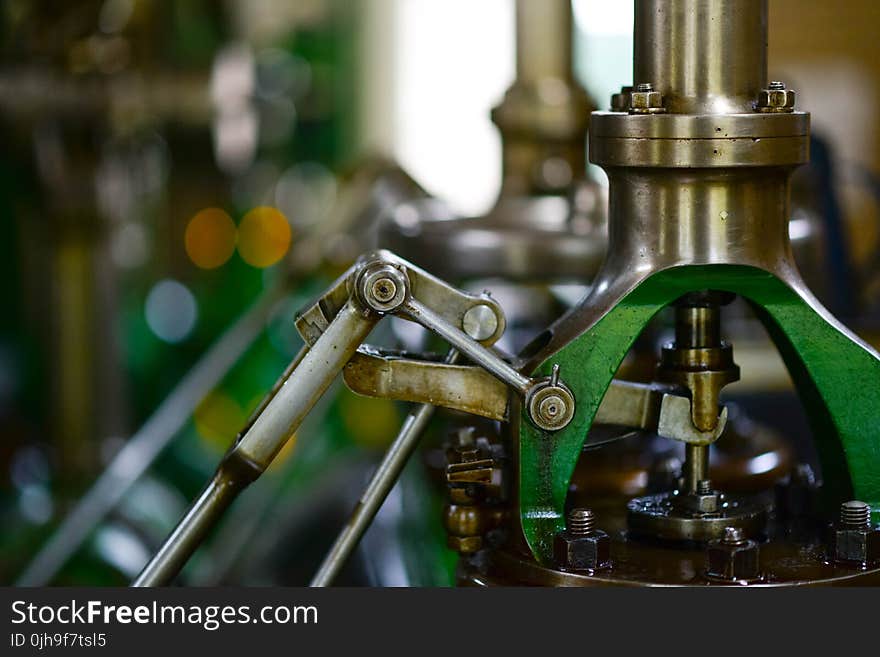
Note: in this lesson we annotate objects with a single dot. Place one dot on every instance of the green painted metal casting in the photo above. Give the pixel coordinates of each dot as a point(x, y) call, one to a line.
point(837, 378)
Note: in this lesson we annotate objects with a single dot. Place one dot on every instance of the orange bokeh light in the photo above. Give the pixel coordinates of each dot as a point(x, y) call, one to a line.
point(263, 237)
point(210, 238)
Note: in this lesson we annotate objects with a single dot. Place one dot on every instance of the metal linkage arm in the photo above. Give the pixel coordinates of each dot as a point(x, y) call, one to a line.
point(378, 285)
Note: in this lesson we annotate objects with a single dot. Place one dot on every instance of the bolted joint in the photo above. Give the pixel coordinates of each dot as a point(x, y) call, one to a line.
point(621, 101)
point(550, 403)
point(733, 558)
point(704, 502)
point(775, 98)
point(580, 547)
point(382, 287)
point(644, 99)
point(853, 540)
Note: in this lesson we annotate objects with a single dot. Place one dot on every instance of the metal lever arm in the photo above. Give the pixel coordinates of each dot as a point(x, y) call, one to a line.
point(335, 327)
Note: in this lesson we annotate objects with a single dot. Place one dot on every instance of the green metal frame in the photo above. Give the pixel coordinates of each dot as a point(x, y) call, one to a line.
point(837, 377)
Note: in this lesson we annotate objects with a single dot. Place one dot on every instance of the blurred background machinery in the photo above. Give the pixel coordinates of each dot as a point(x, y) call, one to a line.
point(180, 178)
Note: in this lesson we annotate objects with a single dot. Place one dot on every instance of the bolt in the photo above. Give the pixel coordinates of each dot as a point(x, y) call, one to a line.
point(550, 403)
point(704, 487)
point(581, 522)
point(853, 540)
point(733, 536)
point(775, 98)
point(383, 290)
point(581, 546)
point(855, 514)
point(480, 322)
point(733, 558)
point(551, 408)
point(382, 287)
point(644, 99)
point(620, 101)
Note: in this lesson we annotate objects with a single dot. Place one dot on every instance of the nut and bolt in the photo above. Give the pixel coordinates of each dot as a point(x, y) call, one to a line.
point(384, 290)
point(580, 546)
point(383, 287)
point(581, 521)
point(620, 102)
point(733, 558)
point(853, 539)
point(551, 404)
point(775, 98)
point(855, 514)
point(703, 502)
point(644, 99)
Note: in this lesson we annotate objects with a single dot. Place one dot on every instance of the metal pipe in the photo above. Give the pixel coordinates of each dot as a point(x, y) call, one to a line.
point(377, 490)
point(704, 56)
point(270, 431)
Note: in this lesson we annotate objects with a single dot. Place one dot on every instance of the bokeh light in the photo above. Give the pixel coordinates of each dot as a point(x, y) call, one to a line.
point(263, 237)
point(210, 238)
point(218, 419)
point(171, 311)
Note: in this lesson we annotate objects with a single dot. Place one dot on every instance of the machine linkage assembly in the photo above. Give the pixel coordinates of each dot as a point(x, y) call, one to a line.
point(335, 327)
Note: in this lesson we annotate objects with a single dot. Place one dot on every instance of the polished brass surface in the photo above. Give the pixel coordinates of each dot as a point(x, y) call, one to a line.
point(705, 56)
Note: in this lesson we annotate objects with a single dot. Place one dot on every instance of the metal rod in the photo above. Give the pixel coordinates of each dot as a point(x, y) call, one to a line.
point(265, 438)
point(146, 444)
point(377, 490)
point(481, 355)
point(696, 466)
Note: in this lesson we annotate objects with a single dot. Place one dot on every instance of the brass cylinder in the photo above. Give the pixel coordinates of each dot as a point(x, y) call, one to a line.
point(704, 56)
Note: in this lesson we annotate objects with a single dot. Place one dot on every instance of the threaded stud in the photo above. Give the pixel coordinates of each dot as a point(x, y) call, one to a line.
point(704, 487)
point(855, 514)
point(644, 86)
point(581, 521)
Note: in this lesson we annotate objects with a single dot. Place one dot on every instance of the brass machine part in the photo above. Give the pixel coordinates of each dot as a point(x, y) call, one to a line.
point(548, 220)
point(544, 116)
point(701, 362)
point(699, 154)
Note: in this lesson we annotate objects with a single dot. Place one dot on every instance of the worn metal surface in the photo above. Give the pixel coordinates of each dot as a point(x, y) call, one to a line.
point(699, 199)
point(823, 357)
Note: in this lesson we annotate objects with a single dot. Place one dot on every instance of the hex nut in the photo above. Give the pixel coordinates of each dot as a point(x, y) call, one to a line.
point(465, 544)
point(733, 562)
point(857, 546)
point(700, 504)
point(582, 552)
point(646, 102)
point(775, 100)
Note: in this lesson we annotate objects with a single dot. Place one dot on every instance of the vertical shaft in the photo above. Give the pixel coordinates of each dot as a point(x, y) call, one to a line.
point(704, 56)
point(696, 466)
point(543, 40)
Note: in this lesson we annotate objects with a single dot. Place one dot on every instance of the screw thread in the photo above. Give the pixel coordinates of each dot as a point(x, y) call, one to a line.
point(776, 85)
point(704, 487)
point(644, 86)
point(581, 521)
point(855, 514)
